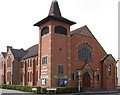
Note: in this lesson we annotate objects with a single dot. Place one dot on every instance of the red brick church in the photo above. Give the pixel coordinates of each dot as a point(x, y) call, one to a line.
point(54, 61)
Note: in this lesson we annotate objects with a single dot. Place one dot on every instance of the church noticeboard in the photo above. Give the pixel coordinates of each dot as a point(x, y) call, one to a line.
point(62, 81)
point(43, 81)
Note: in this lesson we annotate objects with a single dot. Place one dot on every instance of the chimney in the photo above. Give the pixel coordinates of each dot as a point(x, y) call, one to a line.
point(9, 47)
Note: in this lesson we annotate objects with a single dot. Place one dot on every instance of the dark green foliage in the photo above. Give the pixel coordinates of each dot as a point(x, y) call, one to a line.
point(9, 82)
point(21, 87)
point(64, 90)
point(41, 90)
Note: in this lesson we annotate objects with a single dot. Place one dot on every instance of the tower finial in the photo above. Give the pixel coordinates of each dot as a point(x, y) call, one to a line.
point(54, 9)
point(54, 0)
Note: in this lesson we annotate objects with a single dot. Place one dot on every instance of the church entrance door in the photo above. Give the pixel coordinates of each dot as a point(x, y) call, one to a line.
point(86, 80)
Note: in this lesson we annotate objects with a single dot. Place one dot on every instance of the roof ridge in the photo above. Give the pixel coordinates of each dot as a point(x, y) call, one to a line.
point(31, 47)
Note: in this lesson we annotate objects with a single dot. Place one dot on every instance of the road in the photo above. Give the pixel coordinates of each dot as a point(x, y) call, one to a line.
point(14, 92)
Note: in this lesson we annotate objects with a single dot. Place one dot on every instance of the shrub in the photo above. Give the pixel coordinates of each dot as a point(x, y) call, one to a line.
point(21, 87)
point(64, 90)
point(9, 82)
point(43, 90)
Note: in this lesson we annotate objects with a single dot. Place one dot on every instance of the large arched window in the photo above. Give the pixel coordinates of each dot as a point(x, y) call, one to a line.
point(84, 53)
point(60, 30)
point(45, 30)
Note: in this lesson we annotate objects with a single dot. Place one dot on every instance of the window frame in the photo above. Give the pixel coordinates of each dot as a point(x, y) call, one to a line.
point(84, 52)
point(37, 61)
point(60, 69)
point(72, 76)
point(110, 72)
point(21, 79)
point(98, 77)
point(28, 76)
point(45, 60)
point(28, 63)
point(45, 30)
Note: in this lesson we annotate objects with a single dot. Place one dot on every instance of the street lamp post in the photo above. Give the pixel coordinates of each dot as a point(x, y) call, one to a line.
point(79, 80)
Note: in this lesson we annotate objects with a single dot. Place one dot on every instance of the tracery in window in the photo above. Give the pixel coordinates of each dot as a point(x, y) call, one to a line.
point(84, 53)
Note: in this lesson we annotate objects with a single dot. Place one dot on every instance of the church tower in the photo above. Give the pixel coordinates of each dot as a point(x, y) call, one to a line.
point(54, 49)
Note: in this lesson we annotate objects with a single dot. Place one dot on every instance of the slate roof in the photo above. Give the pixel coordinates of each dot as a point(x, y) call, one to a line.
point(54, 14)
point(54, 9)
point(18, 53)
point(4, 54)
point(32, 51)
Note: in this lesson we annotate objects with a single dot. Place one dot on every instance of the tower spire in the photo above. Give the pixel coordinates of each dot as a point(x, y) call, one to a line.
point(54, 9)
point(54, 0)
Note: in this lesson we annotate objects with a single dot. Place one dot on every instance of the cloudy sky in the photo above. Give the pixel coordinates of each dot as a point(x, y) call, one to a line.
point(18, 16)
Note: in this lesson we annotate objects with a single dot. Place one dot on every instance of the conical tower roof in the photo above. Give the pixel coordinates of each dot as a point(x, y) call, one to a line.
point(54, 9)
point(54, 14)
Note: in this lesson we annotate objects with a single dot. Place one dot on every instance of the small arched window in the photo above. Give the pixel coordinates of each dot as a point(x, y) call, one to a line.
point(9, 62)
point(60, 30)
point(109, 69)
point(45, 30)
point(84, 53)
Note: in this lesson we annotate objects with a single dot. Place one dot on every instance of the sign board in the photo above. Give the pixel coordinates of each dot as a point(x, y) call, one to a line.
point(51, 88)
point(34, 88)
point(43, 81)
point(62, 81)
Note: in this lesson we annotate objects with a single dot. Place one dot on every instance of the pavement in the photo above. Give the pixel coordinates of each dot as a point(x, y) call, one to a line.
point(14, 92)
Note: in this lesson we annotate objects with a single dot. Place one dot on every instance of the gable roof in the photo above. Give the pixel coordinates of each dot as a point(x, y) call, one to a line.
point(32, 51)
point(80, 31)
point(4, 54)
point(105, 57)
point(18, 53)
point(77, 30)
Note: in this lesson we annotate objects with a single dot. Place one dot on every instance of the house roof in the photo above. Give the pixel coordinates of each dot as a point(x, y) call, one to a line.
point(32, 51)
point(54, 14)
point(18, 53)
point(4, 54)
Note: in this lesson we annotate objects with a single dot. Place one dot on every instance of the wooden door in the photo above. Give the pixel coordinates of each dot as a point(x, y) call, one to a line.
point(86, 80)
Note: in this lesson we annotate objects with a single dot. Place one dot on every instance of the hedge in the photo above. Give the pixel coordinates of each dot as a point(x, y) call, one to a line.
point(41, 90)
point(64, 90)
point(21, 88)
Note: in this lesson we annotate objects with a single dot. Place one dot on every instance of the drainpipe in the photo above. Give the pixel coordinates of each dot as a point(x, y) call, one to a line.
point(93, 78)
point(115, 76)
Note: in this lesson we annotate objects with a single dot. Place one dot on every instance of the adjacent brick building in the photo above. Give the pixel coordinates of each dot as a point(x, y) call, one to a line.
point(60, 53)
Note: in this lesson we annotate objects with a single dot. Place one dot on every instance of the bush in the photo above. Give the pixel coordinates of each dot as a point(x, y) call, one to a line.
point(64, 90)
point(21, 87)
point(41, 90)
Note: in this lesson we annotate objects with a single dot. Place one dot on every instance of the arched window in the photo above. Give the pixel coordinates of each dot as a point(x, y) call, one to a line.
point(109, 69)
point(45, 30)
point(84, 53)
point(28, 77)
point(9, 62)
point(60, 30)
